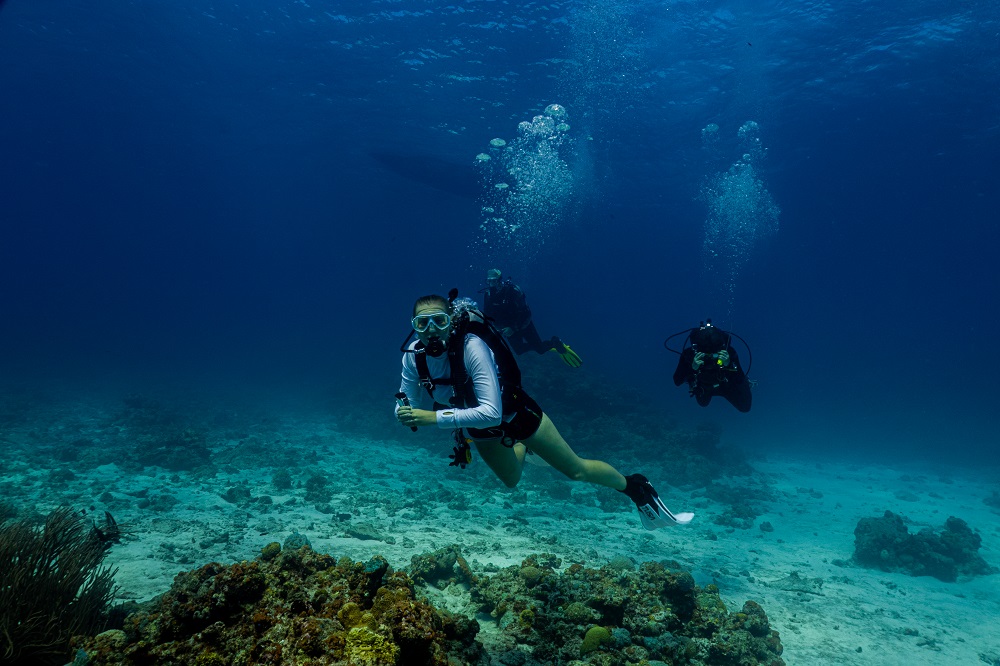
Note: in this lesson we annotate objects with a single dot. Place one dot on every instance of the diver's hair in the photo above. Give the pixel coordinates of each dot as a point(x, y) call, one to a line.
point(432, 299)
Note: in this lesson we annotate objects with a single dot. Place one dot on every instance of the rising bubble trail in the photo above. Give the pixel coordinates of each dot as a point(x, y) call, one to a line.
point(527, 186)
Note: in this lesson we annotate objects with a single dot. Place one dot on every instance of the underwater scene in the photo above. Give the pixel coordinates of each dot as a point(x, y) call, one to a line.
point(491, 333)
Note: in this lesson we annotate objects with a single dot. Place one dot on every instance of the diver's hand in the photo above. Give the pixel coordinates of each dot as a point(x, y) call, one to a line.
point(404, 414)
point(507, 331)
point(723, 357)
point(411, 417)
point(698, 360)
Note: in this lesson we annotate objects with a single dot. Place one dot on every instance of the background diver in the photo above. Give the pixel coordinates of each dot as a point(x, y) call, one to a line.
point(710, 366)
point(505, 303)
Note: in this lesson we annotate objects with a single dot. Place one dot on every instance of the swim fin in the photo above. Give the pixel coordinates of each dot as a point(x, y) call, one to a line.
point(663, 517)
point(568, 356)
point(653, 513)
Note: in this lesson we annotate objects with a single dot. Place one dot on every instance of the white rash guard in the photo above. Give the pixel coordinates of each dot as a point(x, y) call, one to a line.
point(482, 370)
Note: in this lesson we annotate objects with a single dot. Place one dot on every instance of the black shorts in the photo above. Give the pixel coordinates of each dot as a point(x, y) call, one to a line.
point(525, 422)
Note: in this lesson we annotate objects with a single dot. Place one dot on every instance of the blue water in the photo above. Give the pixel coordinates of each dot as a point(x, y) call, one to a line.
point(227, 195)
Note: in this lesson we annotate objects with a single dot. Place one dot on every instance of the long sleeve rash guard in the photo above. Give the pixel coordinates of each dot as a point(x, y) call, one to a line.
point(482, 370)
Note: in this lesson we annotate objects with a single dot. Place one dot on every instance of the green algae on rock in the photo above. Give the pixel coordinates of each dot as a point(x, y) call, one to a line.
point(594, 639)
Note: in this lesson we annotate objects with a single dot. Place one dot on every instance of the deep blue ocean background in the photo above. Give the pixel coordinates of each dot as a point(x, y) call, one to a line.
point(248, 197)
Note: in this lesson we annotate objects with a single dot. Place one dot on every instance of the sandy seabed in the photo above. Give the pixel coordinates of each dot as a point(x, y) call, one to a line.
point(399, 498)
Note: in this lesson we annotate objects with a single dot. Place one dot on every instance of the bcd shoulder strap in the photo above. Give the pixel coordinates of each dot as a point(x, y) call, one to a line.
point(424, 373)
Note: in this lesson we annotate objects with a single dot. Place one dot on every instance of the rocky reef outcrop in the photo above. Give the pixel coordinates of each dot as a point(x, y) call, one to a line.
point(619, 615)
point(886, 543)
point(295, 606)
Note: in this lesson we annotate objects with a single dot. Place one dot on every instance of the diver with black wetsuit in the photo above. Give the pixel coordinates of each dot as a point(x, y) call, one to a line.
point(711, 367)
point(505, 303)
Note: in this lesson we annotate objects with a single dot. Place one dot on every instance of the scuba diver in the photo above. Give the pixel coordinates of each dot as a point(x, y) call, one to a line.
point(505, 303)
point(461, 375)
point(710, 366)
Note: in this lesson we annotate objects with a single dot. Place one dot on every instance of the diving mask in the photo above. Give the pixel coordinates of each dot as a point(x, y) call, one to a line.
point(423, 322)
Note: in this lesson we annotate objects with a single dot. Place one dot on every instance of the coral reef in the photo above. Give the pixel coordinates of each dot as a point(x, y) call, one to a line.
point(885, 543)
point(296, 607)
point(54, 586)
point(303, 608)
point(617, 616)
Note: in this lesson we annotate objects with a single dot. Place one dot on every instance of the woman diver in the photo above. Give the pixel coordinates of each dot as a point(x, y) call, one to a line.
point(461, 376)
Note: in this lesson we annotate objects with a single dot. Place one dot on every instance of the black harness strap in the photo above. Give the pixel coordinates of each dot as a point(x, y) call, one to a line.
point(424, 372)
